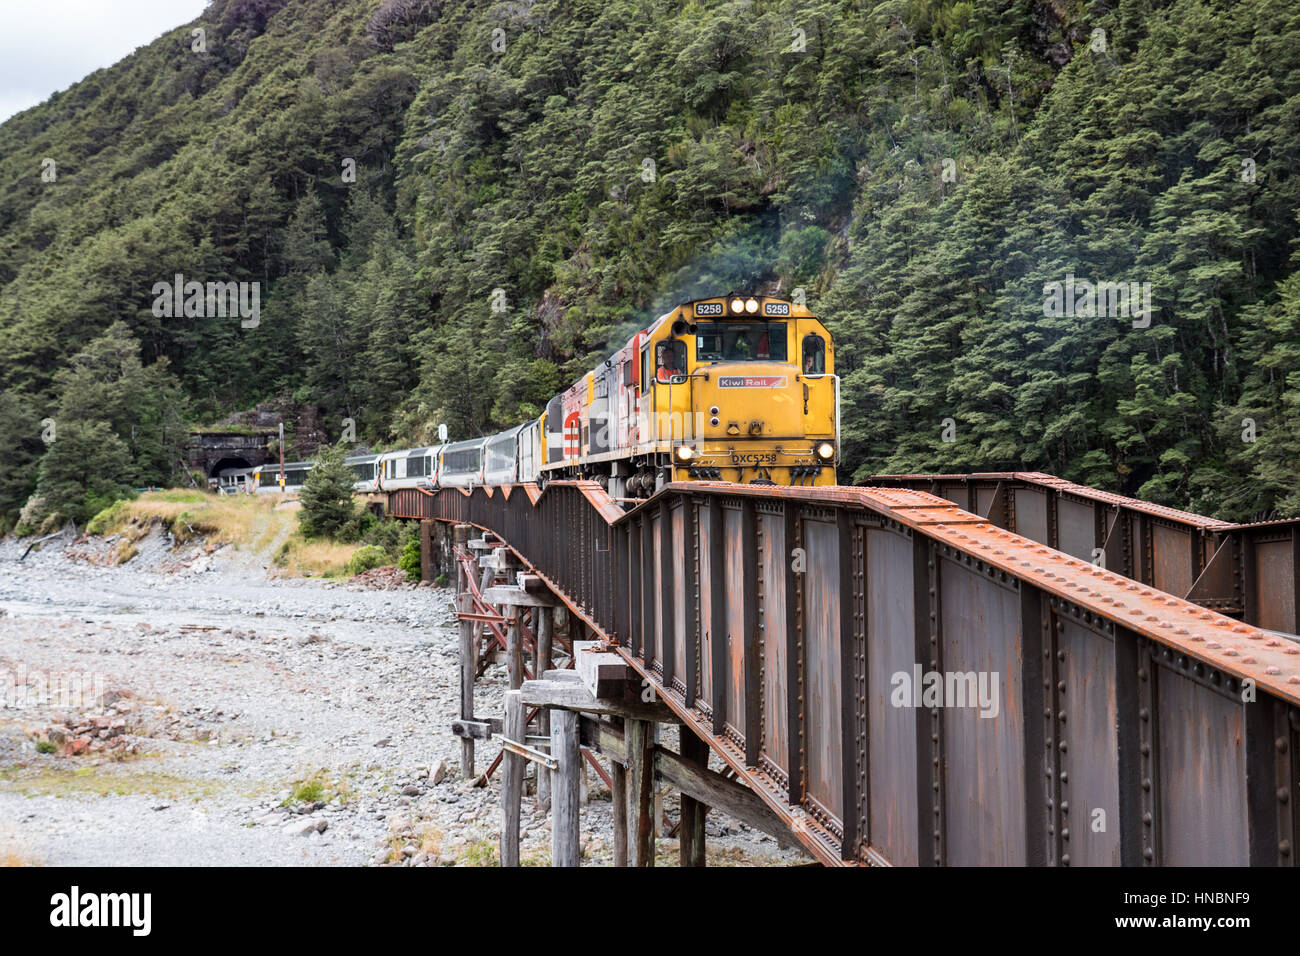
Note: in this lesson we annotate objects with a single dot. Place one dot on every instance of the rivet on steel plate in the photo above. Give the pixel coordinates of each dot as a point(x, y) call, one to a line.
point(1273, 670)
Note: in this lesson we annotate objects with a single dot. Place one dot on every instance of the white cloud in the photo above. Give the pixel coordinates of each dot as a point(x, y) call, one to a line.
point(47, 45)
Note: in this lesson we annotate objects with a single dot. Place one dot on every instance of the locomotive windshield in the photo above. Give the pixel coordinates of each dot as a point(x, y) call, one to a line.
point(740, 342)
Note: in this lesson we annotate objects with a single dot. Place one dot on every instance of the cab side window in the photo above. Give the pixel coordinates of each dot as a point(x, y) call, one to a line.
point(814, 354)
point(670, 359)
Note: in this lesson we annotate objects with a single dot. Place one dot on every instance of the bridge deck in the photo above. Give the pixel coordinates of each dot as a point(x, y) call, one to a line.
point(1119, 724)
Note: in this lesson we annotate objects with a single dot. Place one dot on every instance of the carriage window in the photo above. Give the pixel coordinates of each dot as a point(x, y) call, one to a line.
point(670, 359)
point(740, 342)
point(814, 354)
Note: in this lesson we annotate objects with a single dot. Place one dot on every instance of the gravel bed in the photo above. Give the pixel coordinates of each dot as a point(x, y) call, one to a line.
point(272, 721)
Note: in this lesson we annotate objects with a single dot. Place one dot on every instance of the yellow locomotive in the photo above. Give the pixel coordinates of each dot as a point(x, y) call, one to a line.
point(736, 388)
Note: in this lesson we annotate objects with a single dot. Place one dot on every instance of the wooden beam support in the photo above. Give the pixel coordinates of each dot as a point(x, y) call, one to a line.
point(691, 830)
point(476, 729)
point(512, 780)
point(618, 797)
point(573, 695)
point(693, 779)
point(640, 784)
point(565, 829)
point(468, 657)
point(564, 675)
point(544, 622)
point(604, 673)
point(507, 595)
point(499, 559)
point(514, 650)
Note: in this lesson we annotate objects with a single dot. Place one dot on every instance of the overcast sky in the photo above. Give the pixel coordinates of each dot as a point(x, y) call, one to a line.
point(47, 45)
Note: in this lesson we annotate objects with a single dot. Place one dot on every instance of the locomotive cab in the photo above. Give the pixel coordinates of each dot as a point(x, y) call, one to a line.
point(738, 389)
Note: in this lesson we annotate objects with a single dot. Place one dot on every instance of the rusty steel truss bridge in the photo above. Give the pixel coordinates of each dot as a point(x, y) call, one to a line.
point(1147, 672)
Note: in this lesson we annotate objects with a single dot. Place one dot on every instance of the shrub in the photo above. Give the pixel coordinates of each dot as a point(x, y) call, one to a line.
point(367, 558)
point(107, 519)
point(410, 559)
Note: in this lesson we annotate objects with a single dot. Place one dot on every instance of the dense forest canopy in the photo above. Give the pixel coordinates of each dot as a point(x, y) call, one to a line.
point(388, 171)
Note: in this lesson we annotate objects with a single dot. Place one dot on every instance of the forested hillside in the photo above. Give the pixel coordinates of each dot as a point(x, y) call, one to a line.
point(922, 169)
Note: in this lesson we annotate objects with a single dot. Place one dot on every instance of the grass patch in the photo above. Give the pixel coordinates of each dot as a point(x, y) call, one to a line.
point(107, 780)
point(318, 788)
point(247, 520)
point(315, 557)
point(188, 496)
point(252, 522)
point(46, 747)
point(482, 852)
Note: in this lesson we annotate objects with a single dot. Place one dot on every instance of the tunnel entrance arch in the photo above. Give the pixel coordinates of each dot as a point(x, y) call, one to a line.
point(223, 463)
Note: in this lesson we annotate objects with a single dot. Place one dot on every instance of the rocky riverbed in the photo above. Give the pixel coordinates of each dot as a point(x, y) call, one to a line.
point(188, 707)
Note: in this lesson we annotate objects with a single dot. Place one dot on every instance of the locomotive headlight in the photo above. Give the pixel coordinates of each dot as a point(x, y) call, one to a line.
point(826, 451)
point(685, 453)
point(751, 306)
point(737, 305)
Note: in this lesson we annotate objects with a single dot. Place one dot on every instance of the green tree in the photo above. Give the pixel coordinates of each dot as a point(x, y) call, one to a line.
point(86, 469)
point(327, 495)
point(20, 435)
